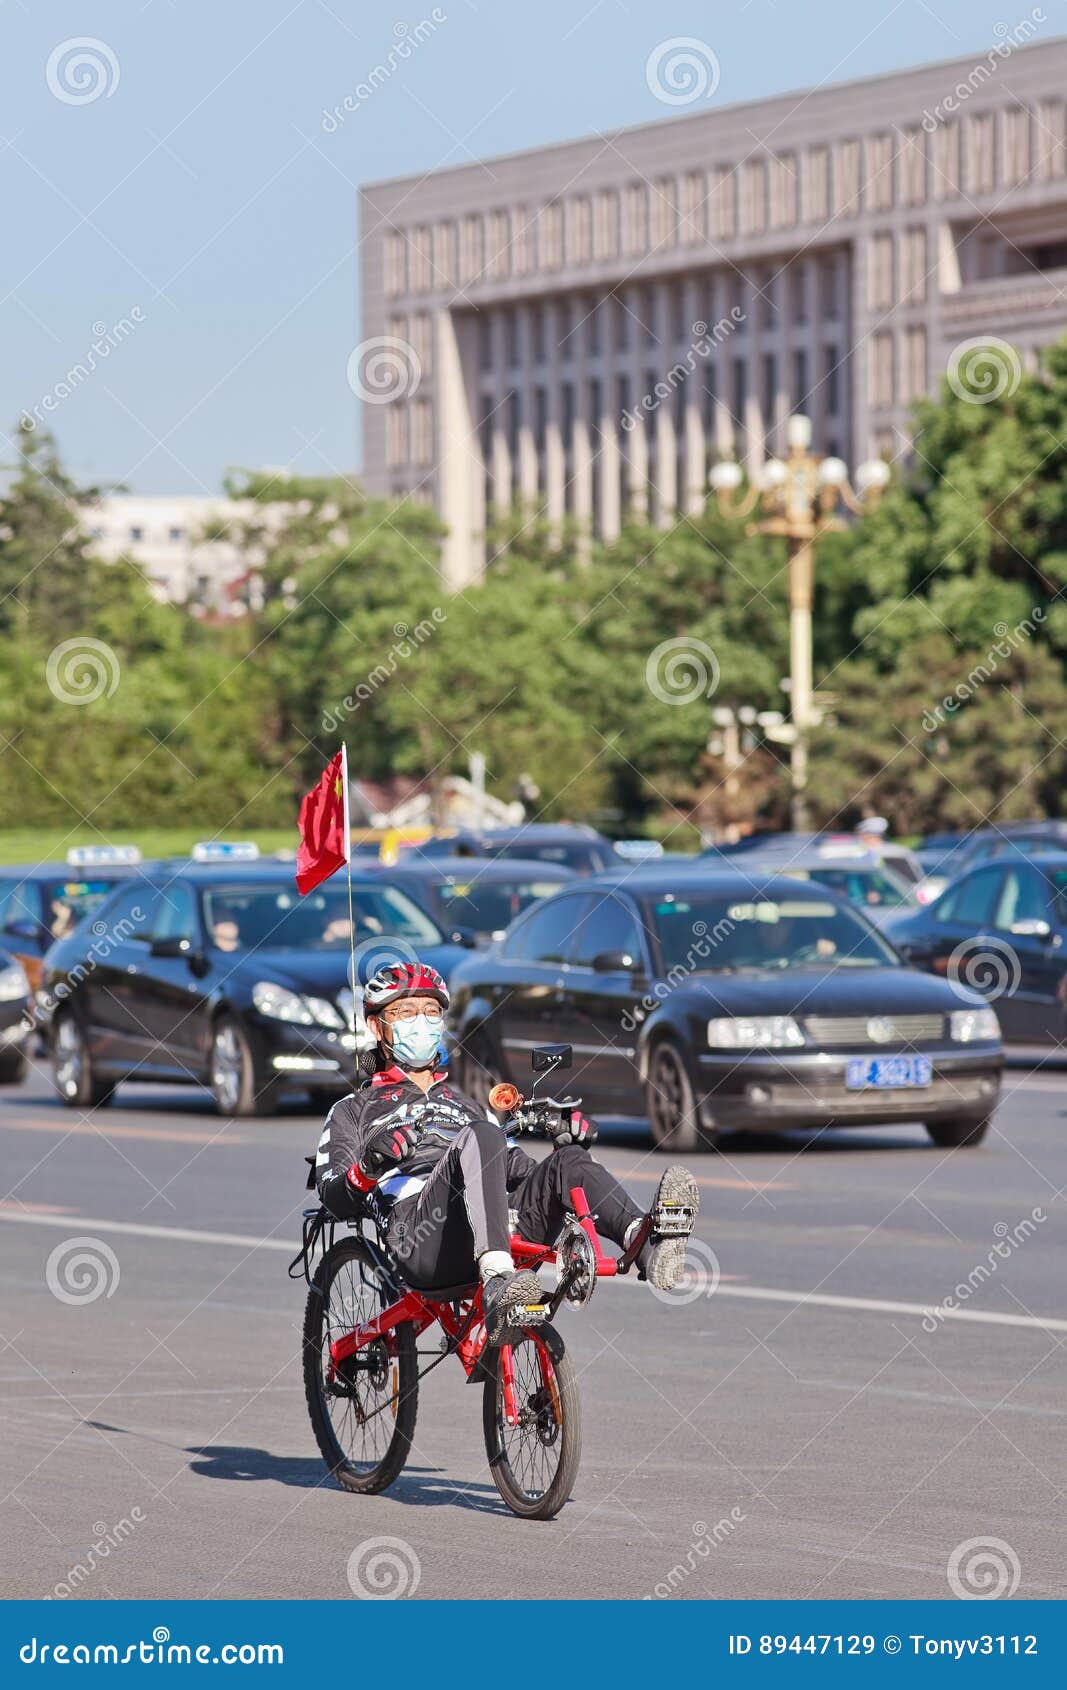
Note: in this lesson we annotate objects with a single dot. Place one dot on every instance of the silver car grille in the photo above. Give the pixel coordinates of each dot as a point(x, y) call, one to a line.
point(874, 1031)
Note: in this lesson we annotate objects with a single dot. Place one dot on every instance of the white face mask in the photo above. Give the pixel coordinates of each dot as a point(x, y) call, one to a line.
point(415, 1043)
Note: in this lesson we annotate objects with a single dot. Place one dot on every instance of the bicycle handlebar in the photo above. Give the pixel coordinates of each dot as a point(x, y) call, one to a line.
point(531, 1115)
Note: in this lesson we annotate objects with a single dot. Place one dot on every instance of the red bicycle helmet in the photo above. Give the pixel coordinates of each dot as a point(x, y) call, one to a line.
point(403, 980)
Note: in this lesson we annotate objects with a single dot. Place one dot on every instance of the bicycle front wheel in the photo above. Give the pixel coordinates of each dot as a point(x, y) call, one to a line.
point(533, 1459)
point(363, 1408)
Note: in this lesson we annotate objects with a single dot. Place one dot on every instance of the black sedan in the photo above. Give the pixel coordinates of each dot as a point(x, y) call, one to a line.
point(40, 902)
point(566, 843)
point(16, 1019)
point(712, 1002)
point(224, 977)
point(1002, 929)
point(477, 898)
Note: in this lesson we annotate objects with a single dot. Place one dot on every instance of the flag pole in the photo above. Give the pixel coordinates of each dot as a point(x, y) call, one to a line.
point(348, 874)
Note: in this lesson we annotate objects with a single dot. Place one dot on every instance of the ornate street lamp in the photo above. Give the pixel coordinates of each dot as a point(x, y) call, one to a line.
point(799, 496)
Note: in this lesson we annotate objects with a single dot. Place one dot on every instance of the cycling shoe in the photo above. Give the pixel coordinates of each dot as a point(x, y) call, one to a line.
point(672, 1217)
point(511, 1301)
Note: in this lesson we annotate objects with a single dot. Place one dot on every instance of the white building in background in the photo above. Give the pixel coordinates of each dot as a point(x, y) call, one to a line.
point(837, 247)
point(164, 534)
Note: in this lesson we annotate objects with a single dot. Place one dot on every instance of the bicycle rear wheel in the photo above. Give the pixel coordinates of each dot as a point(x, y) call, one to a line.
point(534, 1463)
point(363, 1409)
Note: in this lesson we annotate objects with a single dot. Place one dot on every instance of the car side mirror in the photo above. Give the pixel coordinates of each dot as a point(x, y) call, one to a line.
point(615, 962)
point(545, 1058)
point(173, 947)
point(1032, 928)
point(465, 936)
point(23, 929)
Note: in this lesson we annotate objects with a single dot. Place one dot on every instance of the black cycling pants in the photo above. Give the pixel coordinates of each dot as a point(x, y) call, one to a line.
point(462, 1211)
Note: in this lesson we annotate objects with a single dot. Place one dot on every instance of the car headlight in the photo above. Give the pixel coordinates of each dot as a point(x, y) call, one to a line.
point(324, 1012)
point(747, 1032)
point(279, 1002)
point(973, 1026)
point(13, 983)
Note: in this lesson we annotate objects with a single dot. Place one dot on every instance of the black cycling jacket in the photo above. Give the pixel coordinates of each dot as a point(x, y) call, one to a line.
point(390, 1099)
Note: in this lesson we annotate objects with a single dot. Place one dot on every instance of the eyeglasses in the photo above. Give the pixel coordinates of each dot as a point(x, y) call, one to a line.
point(408, 1012)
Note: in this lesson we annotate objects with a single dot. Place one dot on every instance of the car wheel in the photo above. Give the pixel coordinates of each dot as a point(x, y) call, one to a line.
point(72, 1068)
point(669, 1101)
point(956, 1134)
point(234, 1083)
point(477, 1069)
point(13, 1068)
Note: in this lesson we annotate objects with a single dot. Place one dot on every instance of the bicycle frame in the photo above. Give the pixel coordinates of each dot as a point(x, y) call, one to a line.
point(462, 1321)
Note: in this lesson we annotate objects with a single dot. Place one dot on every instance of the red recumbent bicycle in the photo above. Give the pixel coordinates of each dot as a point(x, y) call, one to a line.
point(362, 1325)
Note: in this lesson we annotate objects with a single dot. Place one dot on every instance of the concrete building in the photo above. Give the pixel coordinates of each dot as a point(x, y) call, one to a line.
point(585, 327)
point(165, 534)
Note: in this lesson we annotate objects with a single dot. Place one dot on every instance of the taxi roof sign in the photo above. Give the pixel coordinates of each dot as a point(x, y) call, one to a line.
point(224, 851)
point(103, 856)
point(843, 848)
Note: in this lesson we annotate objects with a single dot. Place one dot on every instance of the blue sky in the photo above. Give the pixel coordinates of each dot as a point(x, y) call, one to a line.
point(201, 200)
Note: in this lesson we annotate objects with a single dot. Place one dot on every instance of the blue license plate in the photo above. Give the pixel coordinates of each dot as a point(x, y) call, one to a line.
point(887, 1073)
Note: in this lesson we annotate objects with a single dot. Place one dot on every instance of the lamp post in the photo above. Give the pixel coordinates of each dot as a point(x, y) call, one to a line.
point(799, 496)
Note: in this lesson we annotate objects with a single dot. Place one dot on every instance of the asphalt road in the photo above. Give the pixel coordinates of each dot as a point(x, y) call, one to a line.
point(795, 1427)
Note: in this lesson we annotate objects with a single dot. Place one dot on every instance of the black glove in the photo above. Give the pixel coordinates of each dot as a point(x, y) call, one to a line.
point(389, 1147)
point(570, 1127)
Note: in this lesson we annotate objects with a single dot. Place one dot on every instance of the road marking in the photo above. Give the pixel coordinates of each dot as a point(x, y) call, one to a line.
point(712, 1181)
point(59, 1128)
point(756, 1293)
point(180, 1234)
point(21, 1208)
point(984, 1317)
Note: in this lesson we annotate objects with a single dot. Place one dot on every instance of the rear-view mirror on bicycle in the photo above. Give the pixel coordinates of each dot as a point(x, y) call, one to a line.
point(547, 1057)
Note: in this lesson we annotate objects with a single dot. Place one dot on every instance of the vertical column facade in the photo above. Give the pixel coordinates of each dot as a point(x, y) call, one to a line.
point(460, 473)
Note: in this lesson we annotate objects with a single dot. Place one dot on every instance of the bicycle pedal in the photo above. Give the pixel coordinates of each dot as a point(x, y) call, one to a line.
point(672, 1220)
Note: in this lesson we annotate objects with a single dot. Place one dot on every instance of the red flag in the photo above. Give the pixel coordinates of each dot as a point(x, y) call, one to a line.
point(324, 841)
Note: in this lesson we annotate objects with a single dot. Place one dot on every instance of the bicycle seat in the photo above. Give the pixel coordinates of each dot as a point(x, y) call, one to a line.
point(444, 1293)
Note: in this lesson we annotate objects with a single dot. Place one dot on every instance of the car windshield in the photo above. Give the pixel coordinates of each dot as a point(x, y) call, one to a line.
point(275, 916)
point(704, 934)
point(878, 888)
point(69, 901)
point(491, 905)
point(569, 854)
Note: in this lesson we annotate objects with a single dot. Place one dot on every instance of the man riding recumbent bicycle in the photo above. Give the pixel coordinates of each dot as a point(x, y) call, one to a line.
point(450, 1222)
